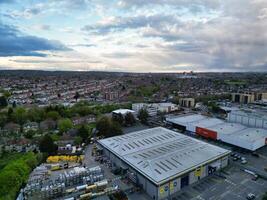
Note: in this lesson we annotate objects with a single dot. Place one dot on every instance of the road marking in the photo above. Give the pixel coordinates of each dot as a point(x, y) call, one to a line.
point(230, 182)
point(200, 198)
point(213, 189)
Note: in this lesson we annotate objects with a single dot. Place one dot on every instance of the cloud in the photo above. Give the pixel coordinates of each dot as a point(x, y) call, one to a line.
point(121, 23)
point(14, 43)
point(192, 5)
point(77, 4)
point(146, 35)
point(83, 45)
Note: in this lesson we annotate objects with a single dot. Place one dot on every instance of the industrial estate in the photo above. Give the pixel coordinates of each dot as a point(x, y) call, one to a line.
point(91, 145)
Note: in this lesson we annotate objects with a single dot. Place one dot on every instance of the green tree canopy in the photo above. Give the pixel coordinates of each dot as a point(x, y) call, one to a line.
point(107, 127)
point(35, 114)
point(3, 102)
point(29, 134)
point(15, 174)
point(64, 125)
point(47, 145)
point(20, 115)
point(83, 132)
point(143, 116)
point(118, 118)
point(3, 120)
point(52, 115)
point(129, 119)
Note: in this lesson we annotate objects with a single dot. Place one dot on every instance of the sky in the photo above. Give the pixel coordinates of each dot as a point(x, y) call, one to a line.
point(134, 35)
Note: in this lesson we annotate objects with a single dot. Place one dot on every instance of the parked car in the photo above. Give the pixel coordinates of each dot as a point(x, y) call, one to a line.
point(255, 154)
point(251, 196)
point(244, 161)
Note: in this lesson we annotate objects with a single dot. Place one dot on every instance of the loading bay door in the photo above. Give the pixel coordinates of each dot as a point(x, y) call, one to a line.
point(184, 181)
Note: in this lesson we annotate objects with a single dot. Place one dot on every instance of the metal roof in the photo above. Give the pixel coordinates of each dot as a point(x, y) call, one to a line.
point(208, 122)
point(185, 119)
point(252, 134)
point(228, 128)
point(195, 120)
point(161, 154)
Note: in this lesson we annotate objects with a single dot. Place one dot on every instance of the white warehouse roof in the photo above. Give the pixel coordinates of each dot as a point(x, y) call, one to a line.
point(228, 128)
point(185, 119)
point(231, 133)
point(207, 122)
point(161, 154)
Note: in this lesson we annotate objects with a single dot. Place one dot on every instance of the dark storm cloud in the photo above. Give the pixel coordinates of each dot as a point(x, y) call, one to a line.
point(14, 43)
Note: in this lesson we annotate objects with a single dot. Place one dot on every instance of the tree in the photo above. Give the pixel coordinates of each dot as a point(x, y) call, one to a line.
point(264, 196)
point(118, 118)
point(20, 116)
point(3, 102)
point(103, 125)
point(7, 94)
point(78, 140)
point(83, 133)
point(64, 125)
point(3, 120)
point(115, 129)
point(35, 115)
point(47, 145)
point(129, 119)
point(14, 104)
point(53, 115)
point(9, 114)
point(143, 115)
point(15, 174)
point(76, 96)
point(108, 127)
point(29, 134)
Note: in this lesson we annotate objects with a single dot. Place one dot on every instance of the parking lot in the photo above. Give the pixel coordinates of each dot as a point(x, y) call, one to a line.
point(235, 186)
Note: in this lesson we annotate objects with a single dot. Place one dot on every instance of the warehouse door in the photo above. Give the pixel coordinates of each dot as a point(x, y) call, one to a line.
point(184, 181)
point(237, 98)
point(246, 100)
point(211, 170)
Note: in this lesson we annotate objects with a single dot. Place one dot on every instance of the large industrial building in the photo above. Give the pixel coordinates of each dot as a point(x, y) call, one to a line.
point(162, 161)
point(250, 138)
point(252, 118)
